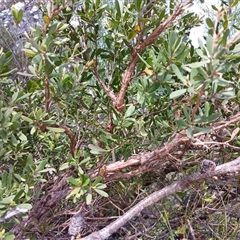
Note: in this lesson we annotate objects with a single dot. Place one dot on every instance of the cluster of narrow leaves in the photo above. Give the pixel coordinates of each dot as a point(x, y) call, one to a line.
point(173, 87)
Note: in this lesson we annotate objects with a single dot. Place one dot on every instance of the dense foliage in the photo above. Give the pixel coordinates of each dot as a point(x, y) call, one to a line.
point(108, 89)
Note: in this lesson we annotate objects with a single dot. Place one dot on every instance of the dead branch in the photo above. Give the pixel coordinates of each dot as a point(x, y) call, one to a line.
point(46, 203)
point(143, 162)
point(148, 161)
point(183, 184)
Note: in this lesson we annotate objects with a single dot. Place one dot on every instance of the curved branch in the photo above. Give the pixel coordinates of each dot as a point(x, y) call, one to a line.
point(186, 182)
point(140, 47)
point(67, 130)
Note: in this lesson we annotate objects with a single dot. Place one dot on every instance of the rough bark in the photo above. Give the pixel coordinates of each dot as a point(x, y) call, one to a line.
point(148, 161)
point(184, 183)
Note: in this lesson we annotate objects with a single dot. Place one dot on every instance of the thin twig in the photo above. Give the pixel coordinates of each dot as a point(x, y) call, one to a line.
point(191, 230)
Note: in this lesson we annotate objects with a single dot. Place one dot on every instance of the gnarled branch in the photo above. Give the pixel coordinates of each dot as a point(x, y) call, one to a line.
point(186, 182)
point(148, 161)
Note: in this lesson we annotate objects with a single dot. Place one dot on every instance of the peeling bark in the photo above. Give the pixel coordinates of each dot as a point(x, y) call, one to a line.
point(148, 161)
point(184, 183)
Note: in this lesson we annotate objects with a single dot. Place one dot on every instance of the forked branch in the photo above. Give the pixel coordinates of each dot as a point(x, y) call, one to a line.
point(118, 99)
point(183, 184)
point(139, 48)
point(148, 161)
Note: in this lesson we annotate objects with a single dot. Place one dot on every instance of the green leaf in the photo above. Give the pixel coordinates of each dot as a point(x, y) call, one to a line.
point(19, 16)
point(14, 12)
point(225, 22)
point(197, 64)
point(181, 123)
point(147, 64)
point(187, 112)
point(162, 14)
point(189, 133)
point(33, 130)
point(208, 200)
point(20, 178)
point(101, 192)
point(8, 112)
point(207, 108)
point(214, 8)
point(19, 195)
point(57, 130)
point(16, 116)
point(154, 87)
point(22, 137)
point(14, 141)
point(172, 40)
point(41, 165)
point(85, 160)
point(225, 36)
point(14, 97)
point(5, 181)
point(206, 119)
point(203, 129)
point(96, 149)
point(202, 54)
point(100, 185)
point(179, 74)
point(26, 206)
point(4, 135)
point(209, 23)
point(80, 170)
point(9, 236)
point(96, 181)
point(7, 124)
point(30, 161)
point(138, 4)
point(23, 96)
point(85, 180)
point(181, 52)
point(49, 121)
point(48, 170)
point(221, 82)
point(129, 111)
point(119, 9)
point(27, 119)
point(210, 44)
point(131, 34)
point(177, 93)
point(128, 122)
point(7, 200)
point(74, 192)
point(143, 132)
point(48, 67)
point(30, 53)
point(89, 197)
point(65, 166)
point(73, 181)
point(234, 3)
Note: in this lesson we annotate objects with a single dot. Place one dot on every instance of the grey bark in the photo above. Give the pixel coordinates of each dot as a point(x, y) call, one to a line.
point(184, 183)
